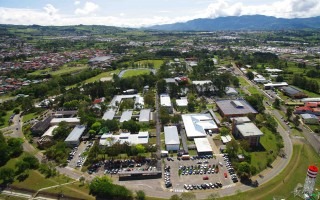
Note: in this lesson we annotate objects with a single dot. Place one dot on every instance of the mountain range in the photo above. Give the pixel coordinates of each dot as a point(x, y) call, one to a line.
point(245, 22)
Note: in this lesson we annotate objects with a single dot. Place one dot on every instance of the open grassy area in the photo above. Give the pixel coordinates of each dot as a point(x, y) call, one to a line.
point(62, 70)
point(135, 72)
point(284, 184)
point(6, 119)
point(144, 63)
point(97, 78)
point(243, 81)
point(253, 90)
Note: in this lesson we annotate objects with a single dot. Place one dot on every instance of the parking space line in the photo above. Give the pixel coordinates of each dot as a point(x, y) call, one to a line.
point(228, 186)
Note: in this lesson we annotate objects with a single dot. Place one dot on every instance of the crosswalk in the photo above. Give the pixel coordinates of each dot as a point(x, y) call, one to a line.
point(228, 186)
point(179, 190)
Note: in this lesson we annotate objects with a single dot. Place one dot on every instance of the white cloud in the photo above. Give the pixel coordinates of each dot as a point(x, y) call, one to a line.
point(50, 9)
point(122, 14)
point(88, 8)
point(76, 3)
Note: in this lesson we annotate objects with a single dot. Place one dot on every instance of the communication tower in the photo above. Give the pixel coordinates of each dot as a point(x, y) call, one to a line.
point(310, 180)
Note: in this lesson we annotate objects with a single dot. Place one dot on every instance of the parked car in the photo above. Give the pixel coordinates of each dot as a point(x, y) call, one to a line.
point(205, 178)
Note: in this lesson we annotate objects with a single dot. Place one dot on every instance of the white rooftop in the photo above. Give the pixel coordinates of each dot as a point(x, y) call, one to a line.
point(109, 114)
point(171, 135)
point(68, 120)
point(196, 124)
point(144, 115)
point(140, 138)
point(182, 102)
point(201, 82)
point(309, 116)
point(249, 129)
point(202, 145)
point(126, 115)
point(118, 98)
point(165, 100)
point(49, 132)
point(76, 133)
point(276, 84)
point(273, 70)
point(316, 99)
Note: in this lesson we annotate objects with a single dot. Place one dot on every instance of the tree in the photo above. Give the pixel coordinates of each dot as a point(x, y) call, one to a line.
point(96, 126)
point(102, 187)
point(296, 121)
point(140, 148)
point(289, 112)
point(232, 148)
point(140, 195)
point(244, 170)
point(6, 175)
point(162, 86)
point(82, 179)
point(276, 104)
point(250, 75)
point(131, 126)
point(32, 161)
point(188, 196)
point(15, 146)
point(224, 131)
point(191, 106)
point(22, 166)
point(164, 115)
point(4, 151)
point(16, 111)
point(245, 145)
point(149, 98)
point(279, 78)
point(61, 132)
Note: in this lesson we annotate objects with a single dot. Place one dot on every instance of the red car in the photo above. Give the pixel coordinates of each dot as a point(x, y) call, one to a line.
point(225, 175)
point(205, 178)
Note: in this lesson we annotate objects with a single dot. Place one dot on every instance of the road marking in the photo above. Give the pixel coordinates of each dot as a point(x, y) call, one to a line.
point(179, 190)
point(228, 186)
point(145, 185)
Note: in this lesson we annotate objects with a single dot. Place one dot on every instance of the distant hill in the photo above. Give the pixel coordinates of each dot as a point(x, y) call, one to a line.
point(245, 22)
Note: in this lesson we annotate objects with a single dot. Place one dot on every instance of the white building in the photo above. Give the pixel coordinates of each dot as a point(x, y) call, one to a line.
point(165, 101)
point(171, 138)
point(110, 139)
point(203, 146)
point(182, 102)
point(310, 118)
point(71, 121)
point(197, 125)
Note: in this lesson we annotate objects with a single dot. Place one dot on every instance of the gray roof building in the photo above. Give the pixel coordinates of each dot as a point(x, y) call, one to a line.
point(144, 115)
point(171, 135)
point(126, 115)
point(233, 108)
point(248, 130)
point(75, 135)
point(109, 114)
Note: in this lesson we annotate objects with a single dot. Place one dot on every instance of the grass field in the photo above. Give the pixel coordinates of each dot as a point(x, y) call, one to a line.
point(253, 90)
point(6, 119)
point(135, 72)
point(144, 63)
point(63, 70)
point(283, 185)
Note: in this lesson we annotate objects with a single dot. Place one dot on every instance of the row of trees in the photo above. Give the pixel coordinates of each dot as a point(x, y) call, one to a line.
point(305, 83)
point(10, 148)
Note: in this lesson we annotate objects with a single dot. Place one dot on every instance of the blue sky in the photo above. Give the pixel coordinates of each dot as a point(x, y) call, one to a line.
point(137, 13)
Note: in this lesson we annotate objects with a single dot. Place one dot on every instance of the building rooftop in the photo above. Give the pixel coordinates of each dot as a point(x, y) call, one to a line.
point(240, 119)
point(144, 115)
point(126, 115)
point(231, 91)
point(165, 100)
point(276, 84)
point(196, 124)
point(201, 82)
point(316, 99)
point(182, 102)
point(140, 138)
point(109, 114)
point(202, 145)
point(118, 98)
point(49, 132)
point(68, 120)
point(171, 135)
point(234, 107)
point(76, 133)
point(249, 129)
point(290, 90)
point(100, 59)
point(309, 116)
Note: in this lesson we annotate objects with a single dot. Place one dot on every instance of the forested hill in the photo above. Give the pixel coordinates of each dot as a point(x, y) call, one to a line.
point(246, 22)
point(77, 30)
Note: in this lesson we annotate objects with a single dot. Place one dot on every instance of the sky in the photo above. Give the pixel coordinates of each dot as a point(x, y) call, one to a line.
point(142, 13)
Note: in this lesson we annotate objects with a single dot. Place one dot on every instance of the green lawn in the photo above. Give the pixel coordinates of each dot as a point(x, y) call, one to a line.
point(144, 63)
point(135, 72)
point(30, 116)
point(6, 119)
point(97, 78)
point(283, 185)
point(253, 90)
point(243, 81)
point(62, 70)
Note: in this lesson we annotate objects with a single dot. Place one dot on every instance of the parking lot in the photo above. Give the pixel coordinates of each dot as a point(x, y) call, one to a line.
point(76, 159)
point(200, 173)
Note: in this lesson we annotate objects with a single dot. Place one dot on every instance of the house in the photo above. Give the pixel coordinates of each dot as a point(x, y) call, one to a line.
point(172, 140)
point(109, 114)
point(230, 91)
point(41, 126)
point(144, 115)
point(234, 108)
point(165, 101)
point(310, 119)
point(293, 92)
point(73, 138)
point(247, 131)
point(198, 125)
point(182, 102)
point(70, 121)
point(203, 146)
point(126, 116)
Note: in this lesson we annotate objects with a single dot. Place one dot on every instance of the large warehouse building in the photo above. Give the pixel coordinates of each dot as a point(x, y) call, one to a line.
point(234, 108)
point(171, 138)
point(73, 138)
point(203, 146)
